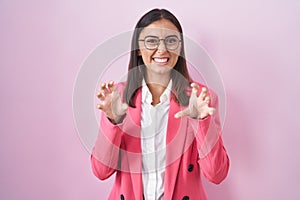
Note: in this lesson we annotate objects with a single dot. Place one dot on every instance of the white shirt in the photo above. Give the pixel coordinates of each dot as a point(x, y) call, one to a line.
point(154, 121)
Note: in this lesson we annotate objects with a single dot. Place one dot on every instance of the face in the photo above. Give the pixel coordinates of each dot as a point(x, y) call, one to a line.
point(163, 58)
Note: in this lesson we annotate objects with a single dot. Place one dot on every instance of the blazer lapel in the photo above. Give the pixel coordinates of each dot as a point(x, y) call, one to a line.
point(176, 136)
point(133, 127)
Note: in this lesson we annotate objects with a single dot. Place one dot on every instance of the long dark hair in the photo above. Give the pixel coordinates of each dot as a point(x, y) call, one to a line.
point(179, 74)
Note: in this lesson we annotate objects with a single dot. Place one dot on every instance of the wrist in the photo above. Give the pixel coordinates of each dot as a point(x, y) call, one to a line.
point(117, 120)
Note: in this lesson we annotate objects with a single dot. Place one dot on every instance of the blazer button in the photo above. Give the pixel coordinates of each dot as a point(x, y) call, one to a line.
point(190, 167)
point(122, 197)
point(186, 198)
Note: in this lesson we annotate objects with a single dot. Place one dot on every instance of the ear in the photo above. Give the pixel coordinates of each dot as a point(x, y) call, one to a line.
point(139, 52)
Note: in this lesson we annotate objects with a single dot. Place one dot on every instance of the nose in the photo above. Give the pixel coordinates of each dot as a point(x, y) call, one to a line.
point(161, 46)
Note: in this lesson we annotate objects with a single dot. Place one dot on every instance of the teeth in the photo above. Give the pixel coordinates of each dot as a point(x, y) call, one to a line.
point(161, 60)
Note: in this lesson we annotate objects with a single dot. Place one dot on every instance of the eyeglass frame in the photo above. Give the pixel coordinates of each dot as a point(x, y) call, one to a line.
point(144, 40)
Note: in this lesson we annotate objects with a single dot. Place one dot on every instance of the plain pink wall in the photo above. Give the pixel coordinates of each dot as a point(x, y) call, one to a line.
point(255, 45)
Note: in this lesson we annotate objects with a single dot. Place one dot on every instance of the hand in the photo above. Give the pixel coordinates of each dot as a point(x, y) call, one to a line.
point(198, 106)
point(111, 103)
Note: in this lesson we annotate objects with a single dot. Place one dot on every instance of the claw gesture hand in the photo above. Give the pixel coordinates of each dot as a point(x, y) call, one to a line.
point(198, 106)
point(111, 103)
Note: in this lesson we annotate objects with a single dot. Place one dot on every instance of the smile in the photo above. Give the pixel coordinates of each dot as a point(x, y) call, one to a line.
point(161, 60)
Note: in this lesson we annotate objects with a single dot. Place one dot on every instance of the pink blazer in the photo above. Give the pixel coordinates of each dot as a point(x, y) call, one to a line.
point(193, 147)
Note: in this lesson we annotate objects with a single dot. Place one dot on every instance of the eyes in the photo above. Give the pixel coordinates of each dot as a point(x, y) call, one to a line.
point(152, 42)
point(171, 40)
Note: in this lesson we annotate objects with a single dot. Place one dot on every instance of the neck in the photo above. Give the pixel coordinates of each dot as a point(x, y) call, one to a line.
point(157, 85)
point(161, 80)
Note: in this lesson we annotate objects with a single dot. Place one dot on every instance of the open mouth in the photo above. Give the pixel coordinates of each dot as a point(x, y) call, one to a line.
point(161, 60)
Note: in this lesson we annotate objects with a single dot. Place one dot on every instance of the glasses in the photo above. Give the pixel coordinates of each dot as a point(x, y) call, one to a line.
point(153, 42)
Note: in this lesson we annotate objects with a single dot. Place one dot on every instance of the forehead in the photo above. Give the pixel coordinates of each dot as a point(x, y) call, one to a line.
point(161, 28)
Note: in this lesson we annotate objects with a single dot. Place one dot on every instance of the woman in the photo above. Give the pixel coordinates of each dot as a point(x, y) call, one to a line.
point(164, 129)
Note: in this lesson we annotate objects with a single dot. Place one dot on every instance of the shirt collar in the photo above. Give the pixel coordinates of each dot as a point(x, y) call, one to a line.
point(147, 96)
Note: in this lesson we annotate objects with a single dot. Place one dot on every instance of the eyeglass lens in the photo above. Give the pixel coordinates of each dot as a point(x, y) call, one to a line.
point(171, 42)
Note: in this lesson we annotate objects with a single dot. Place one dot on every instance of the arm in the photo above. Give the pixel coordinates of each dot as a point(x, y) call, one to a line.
point(205, 123)
point(105, 154)
point(213, 159)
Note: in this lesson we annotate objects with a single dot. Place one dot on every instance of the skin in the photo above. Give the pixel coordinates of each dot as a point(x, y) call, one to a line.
point(157, 78)
point(157, 73)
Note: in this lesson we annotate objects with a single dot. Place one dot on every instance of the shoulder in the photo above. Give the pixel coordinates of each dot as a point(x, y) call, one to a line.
point(120, 86)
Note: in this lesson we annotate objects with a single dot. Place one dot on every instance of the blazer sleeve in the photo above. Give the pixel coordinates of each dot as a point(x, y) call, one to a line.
point(105, 154)
point(212, 156)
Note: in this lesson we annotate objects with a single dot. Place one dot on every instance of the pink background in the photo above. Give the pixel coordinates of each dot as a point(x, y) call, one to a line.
point(255, 45)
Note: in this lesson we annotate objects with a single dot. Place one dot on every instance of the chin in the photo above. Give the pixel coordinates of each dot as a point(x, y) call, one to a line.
point(159, 69)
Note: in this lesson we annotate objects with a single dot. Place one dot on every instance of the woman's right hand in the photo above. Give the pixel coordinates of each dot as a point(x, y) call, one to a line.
point(111, 104)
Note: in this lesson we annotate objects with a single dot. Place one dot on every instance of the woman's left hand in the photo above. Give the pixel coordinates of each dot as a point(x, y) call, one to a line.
point(198, 106)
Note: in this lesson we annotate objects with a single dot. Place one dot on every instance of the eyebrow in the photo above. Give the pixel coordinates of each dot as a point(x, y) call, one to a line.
point(158, 37)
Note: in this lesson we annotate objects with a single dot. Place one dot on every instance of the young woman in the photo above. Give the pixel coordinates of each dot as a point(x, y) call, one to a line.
point(159, 130)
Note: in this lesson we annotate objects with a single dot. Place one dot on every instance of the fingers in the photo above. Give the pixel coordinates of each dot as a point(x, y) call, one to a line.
point(99, 106)
point(207, 99)
point(182, 113)
point(100, 96)
point(103, 89)
point(195, 89)
point(203, 93)
point(211, 111)
point(199, 105)
point(111, 86)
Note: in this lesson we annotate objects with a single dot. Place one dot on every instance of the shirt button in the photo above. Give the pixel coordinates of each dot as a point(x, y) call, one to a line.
point(122, 197)
point(185, 198)
point(190, 167)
